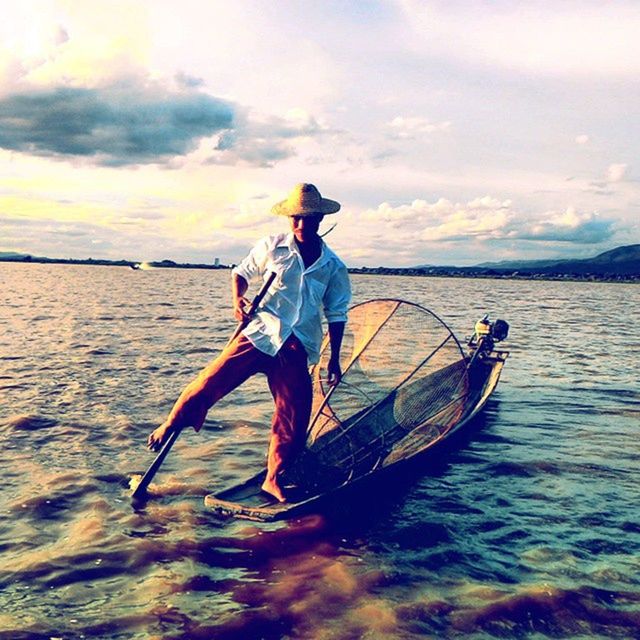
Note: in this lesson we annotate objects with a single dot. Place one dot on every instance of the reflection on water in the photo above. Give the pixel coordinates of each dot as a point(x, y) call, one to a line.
point(525, 527)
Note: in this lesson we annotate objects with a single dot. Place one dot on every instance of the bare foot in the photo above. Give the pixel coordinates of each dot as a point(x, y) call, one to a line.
point(159, 436)
point(273, 489)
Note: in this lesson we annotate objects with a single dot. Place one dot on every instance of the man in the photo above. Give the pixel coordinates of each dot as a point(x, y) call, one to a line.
point(283, 337)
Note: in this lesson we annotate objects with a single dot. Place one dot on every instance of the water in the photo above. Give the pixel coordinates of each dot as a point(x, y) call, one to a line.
point(526, 528)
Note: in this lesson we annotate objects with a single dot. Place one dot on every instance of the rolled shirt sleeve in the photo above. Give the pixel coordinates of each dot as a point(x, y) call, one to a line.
point(337, 296)
point(255, 262)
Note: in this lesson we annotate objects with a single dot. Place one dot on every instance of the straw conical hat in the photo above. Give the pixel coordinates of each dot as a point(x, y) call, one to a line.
point(305, 200)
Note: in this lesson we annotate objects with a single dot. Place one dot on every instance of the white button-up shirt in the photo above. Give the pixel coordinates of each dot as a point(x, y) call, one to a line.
point(297, 295)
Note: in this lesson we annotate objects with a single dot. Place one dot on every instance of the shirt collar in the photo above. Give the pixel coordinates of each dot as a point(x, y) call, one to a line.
point(289, 241)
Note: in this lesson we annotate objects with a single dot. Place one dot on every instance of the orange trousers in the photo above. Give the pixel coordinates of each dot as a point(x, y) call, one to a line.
point(289, 382)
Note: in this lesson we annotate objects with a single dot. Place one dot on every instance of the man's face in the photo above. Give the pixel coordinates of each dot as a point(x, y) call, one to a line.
point(305, 227)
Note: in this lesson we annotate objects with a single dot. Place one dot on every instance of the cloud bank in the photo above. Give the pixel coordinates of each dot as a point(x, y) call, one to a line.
point(114, 126)
point(263, 141)
point(130, 124)
point(433, 228)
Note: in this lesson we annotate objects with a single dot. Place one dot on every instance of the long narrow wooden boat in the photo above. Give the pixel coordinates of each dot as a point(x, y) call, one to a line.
point(395, 402)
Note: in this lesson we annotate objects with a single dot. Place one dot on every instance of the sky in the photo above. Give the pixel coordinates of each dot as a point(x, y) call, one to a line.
point(452, 133)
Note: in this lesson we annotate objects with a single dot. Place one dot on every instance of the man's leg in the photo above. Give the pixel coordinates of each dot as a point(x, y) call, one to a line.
point(231, 368)
point(290, 385)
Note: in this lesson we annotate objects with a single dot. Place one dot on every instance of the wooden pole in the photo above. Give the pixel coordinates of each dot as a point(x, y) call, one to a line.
point(141, 490)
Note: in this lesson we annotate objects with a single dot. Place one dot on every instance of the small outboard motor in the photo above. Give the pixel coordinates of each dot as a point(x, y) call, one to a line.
point(486, 333)
point(500, 330)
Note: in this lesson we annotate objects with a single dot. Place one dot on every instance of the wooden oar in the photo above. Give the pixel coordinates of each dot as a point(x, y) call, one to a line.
point(141, 489)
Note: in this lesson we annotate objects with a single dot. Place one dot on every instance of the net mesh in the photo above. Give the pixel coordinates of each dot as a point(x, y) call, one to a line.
point(404, 385)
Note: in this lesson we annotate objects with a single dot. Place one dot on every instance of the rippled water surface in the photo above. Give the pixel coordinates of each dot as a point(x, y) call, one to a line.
point(526, 527)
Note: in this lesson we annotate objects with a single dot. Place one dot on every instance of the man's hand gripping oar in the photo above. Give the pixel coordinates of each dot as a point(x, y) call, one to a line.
point(141, 489)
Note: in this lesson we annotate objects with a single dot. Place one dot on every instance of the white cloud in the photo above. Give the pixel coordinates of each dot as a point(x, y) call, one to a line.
point(411, 127)
point(442, 228)
point(263, 141)
point(444, 220)
point(616, 172)
point(569, 226)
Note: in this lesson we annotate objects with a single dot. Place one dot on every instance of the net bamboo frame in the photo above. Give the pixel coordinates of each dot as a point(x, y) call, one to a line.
point(404, 384)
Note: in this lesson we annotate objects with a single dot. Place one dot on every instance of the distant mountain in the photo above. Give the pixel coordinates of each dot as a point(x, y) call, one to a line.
point(519, 264)
point(12, 255)
point(625, 258)
point(620, 261)
point(630, 253)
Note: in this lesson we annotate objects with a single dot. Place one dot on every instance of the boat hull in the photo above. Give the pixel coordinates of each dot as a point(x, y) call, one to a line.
point(246, 500)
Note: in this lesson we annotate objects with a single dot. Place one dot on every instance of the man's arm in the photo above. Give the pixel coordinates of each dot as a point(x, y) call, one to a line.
point(336, 302)
point(336, 331)
point(239, 287)
point(251, 267)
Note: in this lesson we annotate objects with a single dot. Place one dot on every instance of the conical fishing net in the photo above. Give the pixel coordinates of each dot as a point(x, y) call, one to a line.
point(404, 385)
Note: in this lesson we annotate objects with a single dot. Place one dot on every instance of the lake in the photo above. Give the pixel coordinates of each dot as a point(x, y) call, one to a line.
point(526, 527)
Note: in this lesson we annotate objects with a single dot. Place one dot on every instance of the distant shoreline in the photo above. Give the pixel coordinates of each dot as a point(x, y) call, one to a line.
point(496, 274)
point(162, 264)
point(433, 272)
